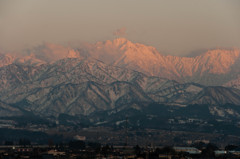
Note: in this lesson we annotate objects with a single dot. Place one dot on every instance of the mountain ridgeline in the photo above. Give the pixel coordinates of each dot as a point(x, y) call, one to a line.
point(117, 75)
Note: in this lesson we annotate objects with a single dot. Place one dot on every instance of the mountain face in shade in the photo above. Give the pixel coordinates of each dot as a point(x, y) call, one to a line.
point(74, 86)
point(217, 95)
point(7, 110)
point(53, 79)
point(77, 86)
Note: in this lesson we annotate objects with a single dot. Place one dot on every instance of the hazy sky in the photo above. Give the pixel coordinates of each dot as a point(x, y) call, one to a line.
point(172, 26)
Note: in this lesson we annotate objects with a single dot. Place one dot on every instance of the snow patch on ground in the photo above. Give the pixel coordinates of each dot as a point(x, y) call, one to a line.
point(119, 122)
point(216, 111)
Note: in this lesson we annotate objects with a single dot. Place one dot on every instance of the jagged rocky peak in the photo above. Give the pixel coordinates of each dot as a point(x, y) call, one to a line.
point(219, 61)
point(213, 67)
point(146, 59)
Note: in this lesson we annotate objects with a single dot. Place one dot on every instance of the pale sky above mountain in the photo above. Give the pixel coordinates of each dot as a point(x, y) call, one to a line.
point(172, 26)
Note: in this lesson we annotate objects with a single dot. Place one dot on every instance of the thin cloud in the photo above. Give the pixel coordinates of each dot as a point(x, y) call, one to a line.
point(120, 32)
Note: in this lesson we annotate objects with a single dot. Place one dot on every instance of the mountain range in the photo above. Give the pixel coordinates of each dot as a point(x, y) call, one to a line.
point(51, 79)
point(213, 67)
